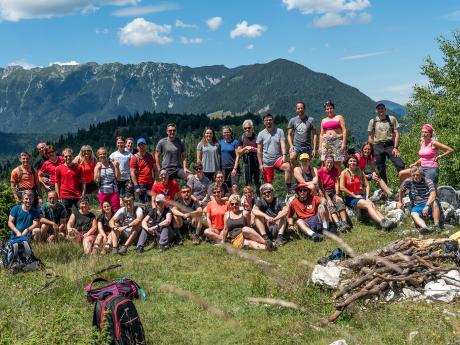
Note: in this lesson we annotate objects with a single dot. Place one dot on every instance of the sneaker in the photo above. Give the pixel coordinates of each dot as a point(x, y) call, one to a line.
point(114, 250)
point(377, 196)
point(95, 249)
point(122, 249)
point(280, 241)
point(425, 230)
point(316, 237)
point(140, 249)
point(195, 239)
point(436, 228)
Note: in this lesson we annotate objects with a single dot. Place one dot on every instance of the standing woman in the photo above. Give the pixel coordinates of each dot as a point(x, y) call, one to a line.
point(333, 135)
point(228, 146)
point(247, 149)
point(87, 161)
point(106, 174)
point(429, 155)
point(207, 153)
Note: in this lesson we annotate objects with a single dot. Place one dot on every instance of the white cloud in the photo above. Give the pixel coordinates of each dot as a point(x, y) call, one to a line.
point(23, 63)
point(328, 20)
point(214, 23)
point(332, 12)
point(291, 50)
point(361, 56)
point(250, 46)
point(15, 10)
point(181, 24)
point(67, 63)
point(137, 11)
point(140, 32)
point(244, 30)
point(196, 40)
point(102, 31)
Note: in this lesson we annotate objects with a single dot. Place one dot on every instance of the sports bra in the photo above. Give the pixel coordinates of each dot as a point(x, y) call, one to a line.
point(331, 124)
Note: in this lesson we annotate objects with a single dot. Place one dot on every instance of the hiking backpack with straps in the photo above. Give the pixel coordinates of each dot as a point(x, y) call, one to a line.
point(117, 317)
point(17, 256)
point(386, 119)
point(123, 286)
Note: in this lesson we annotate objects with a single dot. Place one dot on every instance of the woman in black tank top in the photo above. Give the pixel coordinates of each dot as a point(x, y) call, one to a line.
point(236, 227)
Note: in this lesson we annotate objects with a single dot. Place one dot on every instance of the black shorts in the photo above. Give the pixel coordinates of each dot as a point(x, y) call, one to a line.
point(124, 187)
point(68, 204)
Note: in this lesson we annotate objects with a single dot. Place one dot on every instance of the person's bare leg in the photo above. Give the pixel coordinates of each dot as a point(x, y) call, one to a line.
point(384, 186)
point(343, 216)
point(304, 228)
point(403, 174)
point(213, 235)
point(251, 234)
point(87, 244)
point(282, 223)
point(366, 205)
point(418, 220)
point(254, 245)
point(132, 236)
point(260, 225)
point(286, 167)
point(436, 213)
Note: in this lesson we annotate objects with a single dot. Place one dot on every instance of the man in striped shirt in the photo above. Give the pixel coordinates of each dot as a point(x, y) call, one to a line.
point(422, 194)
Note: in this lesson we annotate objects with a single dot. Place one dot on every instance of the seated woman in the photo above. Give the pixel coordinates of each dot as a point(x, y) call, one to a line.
point(354, 185)
point(219, 183)
point(236, 227)
point(106, 238)
point(366, 163)
point(429, 156)
point(305, 173)
point(215, 212)
point(199, 184)
point(82, 226)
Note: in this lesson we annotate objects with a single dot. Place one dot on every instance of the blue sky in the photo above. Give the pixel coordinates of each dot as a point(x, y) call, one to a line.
point(376, 46)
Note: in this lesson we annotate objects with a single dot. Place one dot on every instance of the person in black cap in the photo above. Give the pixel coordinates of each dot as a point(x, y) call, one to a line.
point(384, 135)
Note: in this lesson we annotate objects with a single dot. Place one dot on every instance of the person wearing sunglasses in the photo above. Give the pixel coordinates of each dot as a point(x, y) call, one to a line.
point(170, 154)
point(270, 216)
point(168, 188)
point(302, 135)
point(215, 212)
point(219, 183)
point(305, 208)
point(188, 216)
point(199, 184)
point(236, 228)
point(47, 174)
point(207, 153)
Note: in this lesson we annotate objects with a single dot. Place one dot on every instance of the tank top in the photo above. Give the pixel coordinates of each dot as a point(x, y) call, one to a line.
point(107, 182)
point(307, 176)
point(364, 163)
point(353, 183)
point(331, 124)
point(427, 155)
point(83, 222)
point(235, 225)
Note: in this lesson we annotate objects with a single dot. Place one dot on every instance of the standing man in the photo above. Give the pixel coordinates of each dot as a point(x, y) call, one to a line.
point(170, 154)
point(25, 177)
point(271, 152)
point(384, 135)
point(69, 176)
point(300, 133)
point(143, 170)
point(42, 156)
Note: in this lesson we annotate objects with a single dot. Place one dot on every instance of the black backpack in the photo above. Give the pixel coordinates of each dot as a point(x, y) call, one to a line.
point(117, 317)
point(17, 256)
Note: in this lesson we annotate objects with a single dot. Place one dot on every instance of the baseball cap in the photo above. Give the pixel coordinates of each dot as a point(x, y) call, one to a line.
point(304, 156)
point(141, 141)
point(380, 105)
point(160, 198)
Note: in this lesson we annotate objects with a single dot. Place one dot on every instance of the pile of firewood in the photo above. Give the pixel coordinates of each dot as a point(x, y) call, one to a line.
point(407, 262)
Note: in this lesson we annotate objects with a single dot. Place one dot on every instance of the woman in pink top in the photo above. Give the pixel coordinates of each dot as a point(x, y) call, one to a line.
point(429, 156)
point(333, 135)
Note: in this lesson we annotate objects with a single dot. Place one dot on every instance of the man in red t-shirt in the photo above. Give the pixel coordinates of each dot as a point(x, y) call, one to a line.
point(169, 188)
point(305, 208)
point(143, 171)
point(69, 176)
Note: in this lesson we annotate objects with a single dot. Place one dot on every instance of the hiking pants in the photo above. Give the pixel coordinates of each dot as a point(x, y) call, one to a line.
point(383, 150)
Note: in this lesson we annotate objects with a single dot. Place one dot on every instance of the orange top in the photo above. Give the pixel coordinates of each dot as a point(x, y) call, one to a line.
point(27, 180)
point(304, 210)
point(88, 171)
point(216, 213)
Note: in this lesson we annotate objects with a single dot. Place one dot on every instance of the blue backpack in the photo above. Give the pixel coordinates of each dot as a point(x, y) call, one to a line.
point(17, 256)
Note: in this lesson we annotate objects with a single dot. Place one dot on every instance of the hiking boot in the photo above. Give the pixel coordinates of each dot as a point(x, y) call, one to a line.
point(114, 250)
point(122, 249)
point(195, 239)
point(425, 230)
point(280, 241)
point(316, 237)
point(95, 249)
point(436, 228)
point(385, 224)
point(140, 249)
point(377, 196)
point(268, 242)
point(346, 227)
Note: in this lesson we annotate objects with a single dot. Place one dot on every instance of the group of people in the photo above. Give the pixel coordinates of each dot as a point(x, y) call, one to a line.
point(145, 197)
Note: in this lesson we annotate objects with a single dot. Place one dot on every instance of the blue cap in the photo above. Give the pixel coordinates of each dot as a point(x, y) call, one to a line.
point(141, 141)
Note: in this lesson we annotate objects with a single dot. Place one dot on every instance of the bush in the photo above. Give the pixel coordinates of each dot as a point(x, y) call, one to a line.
point(6, 202)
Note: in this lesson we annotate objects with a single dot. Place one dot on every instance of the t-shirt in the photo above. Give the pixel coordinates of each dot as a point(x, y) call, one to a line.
point(169, 190)
point(125, 218)
point(418, 191)
point(170, 152)
point(27, 180)
point(228, 153)
point(250, 157)
point(211, 187)
point(24, 219)
point(304, 210)
point(328, 178)
point(54, 215)
point(382, 128)
point(302, 129)
point(88, 170)
point(210, 157)
point(364, 163)
point(105, 222)
point(123, 163)
point(143, 167)
point(68, 178)
point(49, 168)
point(271, 145)
point(199, 187)
point(84, 222)
point(192, 205)
point(156, 218)
point(216, 213)
point(272, 209)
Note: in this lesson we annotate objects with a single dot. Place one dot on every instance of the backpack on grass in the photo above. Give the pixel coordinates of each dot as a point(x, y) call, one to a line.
point(17, 256)
point(117, 317)
point(123, 286)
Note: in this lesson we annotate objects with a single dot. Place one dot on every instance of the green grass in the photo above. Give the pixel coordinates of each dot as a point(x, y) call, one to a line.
point(62, 315)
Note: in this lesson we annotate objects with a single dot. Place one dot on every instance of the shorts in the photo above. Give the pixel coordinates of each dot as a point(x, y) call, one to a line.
point(238, 241)
point(353, 202)
point(91, 187)
point(332, 146)
point(143, 196)
point(432, 173)
point(419, 209)
point(313, 223)
point(68, 204)
point(175, 173)
point(81, 234)
point(269, 171)
point(299, 150)
point(125, 235)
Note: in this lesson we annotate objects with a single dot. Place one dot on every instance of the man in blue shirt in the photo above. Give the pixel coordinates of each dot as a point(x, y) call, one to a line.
point(23, 219)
